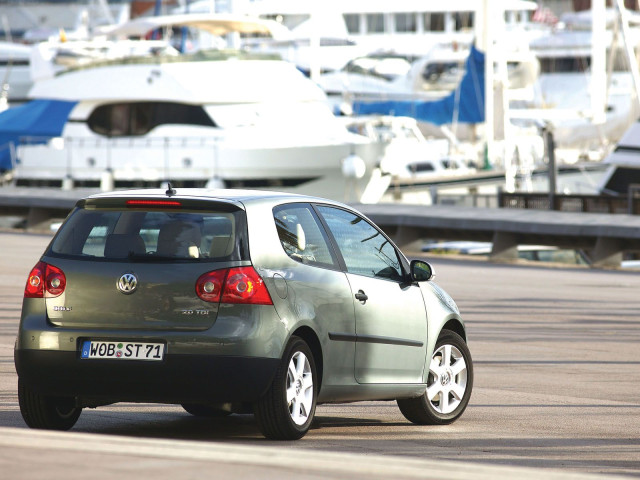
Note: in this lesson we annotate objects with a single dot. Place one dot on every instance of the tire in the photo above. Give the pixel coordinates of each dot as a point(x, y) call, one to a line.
point(286, 410)
point(204, 410)
point(44, 412)
point(449, 384)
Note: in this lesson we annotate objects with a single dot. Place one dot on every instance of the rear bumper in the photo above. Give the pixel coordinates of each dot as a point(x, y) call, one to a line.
point(176, 379)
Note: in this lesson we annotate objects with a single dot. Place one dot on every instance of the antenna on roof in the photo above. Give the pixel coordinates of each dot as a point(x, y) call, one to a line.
point(170, 191)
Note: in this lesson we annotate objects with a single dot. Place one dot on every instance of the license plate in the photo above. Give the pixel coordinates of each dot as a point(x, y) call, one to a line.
point(122, 350)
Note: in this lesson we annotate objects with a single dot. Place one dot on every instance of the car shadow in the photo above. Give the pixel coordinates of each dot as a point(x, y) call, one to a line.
point(346, 422)
point(183, 426)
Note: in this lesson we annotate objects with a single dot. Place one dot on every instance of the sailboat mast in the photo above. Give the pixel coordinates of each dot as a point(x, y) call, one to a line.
point(631, 56)
point(485, 18)
point(598, 61)
point(104, 5)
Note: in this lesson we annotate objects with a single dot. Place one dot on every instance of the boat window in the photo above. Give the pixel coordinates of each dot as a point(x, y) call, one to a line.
point(133, 119)
point(406, 22)
point(421, 167)
point(375, 23)
point(443, 75)
point(434, 22)
point(622, 178)
point(14, 62)
point(564, 64)
point(446, 163)
point(464, 20)
point(352, 20)
point(579, 63)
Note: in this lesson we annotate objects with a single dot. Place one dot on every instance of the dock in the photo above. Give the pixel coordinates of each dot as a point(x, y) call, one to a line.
point(603, 236)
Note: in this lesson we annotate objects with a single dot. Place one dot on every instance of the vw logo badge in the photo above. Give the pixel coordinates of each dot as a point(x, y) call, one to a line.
point(127, 283)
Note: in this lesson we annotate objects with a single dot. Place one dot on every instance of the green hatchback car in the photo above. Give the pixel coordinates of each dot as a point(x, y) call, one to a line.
point(232, 301)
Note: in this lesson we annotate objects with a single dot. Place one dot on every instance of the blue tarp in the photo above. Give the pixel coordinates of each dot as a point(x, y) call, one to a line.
point(464, 105)
point(41, 119)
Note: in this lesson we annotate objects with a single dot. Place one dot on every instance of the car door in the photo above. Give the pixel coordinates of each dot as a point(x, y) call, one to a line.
point(390, 315)
point(317, 290)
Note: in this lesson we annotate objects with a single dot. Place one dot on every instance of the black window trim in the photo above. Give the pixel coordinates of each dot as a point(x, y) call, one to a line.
point(404, 263)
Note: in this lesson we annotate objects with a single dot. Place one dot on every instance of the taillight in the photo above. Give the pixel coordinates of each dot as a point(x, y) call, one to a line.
point(209, 286)
point(244, 285)
point(238, 285)
point(55, 281)
point(45, 281)
point(35, 282)
point(153, 204)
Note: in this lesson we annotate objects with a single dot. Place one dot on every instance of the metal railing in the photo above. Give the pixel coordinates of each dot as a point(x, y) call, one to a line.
point(628, 204)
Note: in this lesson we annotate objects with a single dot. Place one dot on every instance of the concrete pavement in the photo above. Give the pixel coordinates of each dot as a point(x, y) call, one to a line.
point(557, 370)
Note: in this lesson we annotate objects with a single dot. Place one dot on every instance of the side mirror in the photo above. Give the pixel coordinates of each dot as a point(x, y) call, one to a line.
point(421, 271)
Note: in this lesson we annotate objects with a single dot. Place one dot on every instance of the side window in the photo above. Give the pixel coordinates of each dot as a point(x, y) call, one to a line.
point(301, 236)
point(364, 249)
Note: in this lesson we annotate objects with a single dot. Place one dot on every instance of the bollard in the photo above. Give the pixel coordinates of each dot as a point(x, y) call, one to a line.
point(107, 181)
point(67, 183)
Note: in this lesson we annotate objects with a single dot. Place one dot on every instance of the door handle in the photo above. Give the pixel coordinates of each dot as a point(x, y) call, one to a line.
point(361, 296)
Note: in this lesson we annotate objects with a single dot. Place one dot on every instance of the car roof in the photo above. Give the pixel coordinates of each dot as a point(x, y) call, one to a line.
point(236, 196)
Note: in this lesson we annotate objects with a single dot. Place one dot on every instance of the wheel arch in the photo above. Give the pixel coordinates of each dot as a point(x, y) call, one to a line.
point(311, 338)
point(455, 325)
point(452, 323)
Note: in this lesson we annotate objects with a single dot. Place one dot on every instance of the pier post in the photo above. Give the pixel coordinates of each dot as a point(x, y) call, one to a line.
point(505, 247)
point(607, 253)
point(409, 238)
point(38, 218)
point(553, 170)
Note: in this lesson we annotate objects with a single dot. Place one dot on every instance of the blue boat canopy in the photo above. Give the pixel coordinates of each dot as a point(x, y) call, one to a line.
point(40, 119)
point(463, 105)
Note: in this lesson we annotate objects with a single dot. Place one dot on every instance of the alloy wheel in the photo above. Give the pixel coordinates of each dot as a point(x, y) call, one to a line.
point(447, 379)
point(299, 388)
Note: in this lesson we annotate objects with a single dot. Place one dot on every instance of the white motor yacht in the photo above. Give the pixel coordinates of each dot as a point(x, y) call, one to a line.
point(409, 156)
point(394, 75)
point(399, 25)
point(219, 117)
point(15, 75)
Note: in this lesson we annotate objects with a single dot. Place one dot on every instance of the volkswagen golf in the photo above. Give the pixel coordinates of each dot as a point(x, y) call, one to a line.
point(234, 301)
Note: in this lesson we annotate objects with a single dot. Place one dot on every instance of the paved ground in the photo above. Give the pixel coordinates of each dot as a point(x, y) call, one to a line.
point(557, 388)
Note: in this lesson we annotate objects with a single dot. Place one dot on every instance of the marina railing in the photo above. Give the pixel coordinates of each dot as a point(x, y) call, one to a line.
point(628, 204)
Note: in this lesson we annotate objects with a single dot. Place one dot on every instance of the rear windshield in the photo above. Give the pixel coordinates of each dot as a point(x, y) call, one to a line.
point(141, 235)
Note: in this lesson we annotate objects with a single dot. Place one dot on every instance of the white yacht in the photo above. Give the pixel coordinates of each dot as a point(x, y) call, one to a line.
point(222, 117)
point(622, 176)
point(402, 25)
point(564, 90)
point(15, 75)
point(325, 37)
point(409, 156)
point(391, 75)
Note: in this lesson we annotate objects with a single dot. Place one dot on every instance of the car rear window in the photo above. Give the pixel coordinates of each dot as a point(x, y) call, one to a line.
point(147, 235)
